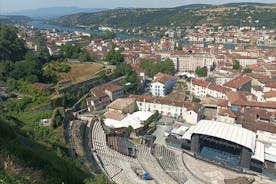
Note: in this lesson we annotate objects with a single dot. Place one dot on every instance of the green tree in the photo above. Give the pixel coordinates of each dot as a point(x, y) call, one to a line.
point(114, 57)
point(236, 65)
point(246, 70)
point(12, 84)
point(11, 47)
point(29, 70)
point(151, 68)
point(84, 56)
point(196, 100)
point(201, 72)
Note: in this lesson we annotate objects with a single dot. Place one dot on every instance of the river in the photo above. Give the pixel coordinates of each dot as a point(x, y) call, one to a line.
point(42, 25)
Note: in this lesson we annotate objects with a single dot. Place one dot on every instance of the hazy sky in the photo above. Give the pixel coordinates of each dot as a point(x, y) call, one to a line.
point(12, 5)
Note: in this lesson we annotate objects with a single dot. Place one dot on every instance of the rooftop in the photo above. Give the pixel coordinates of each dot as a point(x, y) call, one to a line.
point(238, 82)
point(121, 103)
point(230, 132)
point(168, 101)
point(199, 82)
point(163, 78)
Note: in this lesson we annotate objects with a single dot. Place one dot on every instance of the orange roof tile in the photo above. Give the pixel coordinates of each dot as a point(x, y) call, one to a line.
point(238, 82)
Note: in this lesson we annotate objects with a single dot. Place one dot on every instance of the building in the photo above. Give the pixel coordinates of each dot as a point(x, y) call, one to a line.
point(167, 43)
point(201, 88)
point(189, 62)
point(241, 83)
point(103, 95)
point(162, 84)
point(95, 103)
point(123, 105)
point(113, 91)
point(118, 120)
point(225, 115)
point(246, 60)
point(270, 96)
point(227, 144)
point(198, 87)
point(184, 110)
point(239, 101)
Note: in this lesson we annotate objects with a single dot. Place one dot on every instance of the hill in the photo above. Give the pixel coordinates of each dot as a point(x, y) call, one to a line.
point(13, 19)
point(229, 14)
point(53, 12)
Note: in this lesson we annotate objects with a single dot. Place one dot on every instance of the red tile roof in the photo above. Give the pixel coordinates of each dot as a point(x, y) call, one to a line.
point(199, 82)
point(239, 98)
point(271, 85)
point(226, 112)
point(167, 100)
point(270, 94)
point(238, 82)
point(111, 87)
point(99, 91)
point(218, 88)
point(163, 78)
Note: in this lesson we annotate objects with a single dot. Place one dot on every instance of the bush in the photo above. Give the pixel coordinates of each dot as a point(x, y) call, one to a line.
point(196, 100)
point(201, 72)
point(236, 65)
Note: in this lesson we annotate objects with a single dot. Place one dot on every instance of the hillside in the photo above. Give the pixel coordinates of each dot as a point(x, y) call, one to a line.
point(13, 19)
point(229, 14)
point(53, 12)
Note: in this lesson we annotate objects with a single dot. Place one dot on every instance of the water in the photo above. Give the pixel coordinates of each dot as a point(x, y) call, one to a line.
point(42, 25)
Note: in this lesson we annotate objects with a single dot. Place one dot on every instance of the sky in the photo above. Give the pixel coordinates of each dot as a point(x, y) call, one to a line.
point(14, 5)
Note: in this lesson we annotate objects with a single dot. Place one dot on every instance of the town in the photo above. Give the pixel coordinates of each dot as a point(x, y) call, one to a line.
point(194, 105)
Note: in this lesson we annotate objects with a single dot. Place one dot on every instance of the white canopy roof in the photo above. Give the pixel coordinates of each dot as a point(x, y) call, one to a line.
point(179, 130)
point(230, 132)
point(134, 120)
point(259, 151)
point(270, 152)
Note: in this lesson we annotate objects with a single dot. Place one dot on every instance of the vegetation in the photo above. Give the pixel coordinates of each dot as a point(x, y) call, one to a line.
point(114, 57)
point(246, 70)
point(236, 65)
point(37, 148)
point(12, 48)
point(201, 71)
point(196, 100)
point(151, 68)
point(149, 125)
point(234, 14)
point(131, 83)
point(75, 52)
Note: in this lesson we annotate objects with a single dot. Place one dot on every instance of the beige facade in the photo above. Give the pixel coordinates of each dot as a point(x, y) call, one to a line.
point(189, 116)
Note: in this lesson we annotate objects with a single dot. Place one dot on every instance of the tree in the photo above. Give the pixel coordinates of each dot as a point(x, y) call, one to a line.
point(196, 100)
point(29, 70)
point(201, 72)
point(57, 120)
point(12, 84)
point(151, 68)
point(180, 47)
point(236, 65)
point(246, 70)
point(114, 57)
point(11, 47)
point(84, 56)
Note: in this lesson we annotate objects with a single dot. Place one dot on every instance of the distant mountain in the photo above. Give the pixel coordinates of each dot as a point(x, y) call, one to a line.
point(246, 4)
point(13, 19)
point(189, 15)
point(53, 12)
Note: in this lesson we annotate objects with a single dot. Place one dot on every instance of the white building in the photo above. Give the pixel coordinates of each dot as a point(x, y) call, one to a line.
point(189, 62)
point(187, 111)
point(245, 60)
point(201, 88)
point(162, 84)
